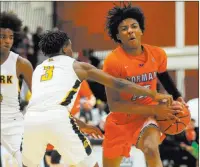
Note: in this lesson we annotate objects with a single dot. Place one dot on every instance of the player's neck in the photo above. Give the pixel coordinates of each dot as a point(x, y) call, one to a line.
point(133, 51)
point(54, 55)
point(3, 57)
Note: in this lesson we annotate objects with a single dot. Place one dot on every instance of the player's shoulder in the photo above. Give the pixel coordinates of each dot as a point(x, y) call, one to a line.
point(154, 49)
point(22, 61)
point(23, 66)
point(156, 52)
point(112, 56)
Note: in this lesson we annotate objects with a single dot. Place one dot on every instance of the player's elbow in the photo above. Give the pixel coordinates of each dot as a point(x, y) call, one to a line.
point(119, 84)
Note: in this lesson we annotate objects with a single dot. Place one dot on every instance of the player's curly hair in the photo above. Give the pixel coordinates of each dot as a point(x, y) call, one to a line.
point(10, 20)
point(52, 42)
point(119, 13)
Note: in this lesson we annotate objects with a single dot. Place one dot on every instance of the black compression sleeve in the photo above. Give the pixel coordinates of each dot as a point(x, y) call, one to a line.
point(168, 84)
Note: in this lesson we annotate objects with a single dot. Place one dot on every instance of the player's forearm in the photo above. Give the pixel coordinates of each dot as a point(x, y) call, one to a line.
point(129, 87)
point(117, 83)
point(130, 108)
point(169, 85)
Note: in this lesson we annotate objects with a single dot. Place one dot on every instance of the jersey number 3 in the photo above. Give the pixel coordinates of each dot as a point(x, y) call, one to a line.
point(48, 73)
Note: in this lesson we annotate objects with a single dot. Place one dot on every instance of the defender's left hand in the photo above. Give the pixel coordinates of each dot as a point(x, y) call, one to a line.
point(92, 131)
point(164, 98)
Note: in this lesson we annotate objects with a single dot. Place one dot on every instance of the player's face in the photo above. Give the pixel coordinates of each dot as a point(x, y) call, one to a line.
point(6, 40)
point(129, 33)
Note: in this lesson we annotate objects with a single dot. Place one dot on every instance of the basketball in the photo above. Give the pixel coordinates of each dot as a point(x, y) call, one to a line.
point(172, 128)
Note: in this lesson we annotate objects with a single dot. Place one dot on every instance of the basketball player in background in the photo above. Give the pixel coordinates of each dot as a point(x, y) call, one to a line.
point(129, 122)
point(55, 85)
point(12, 66)
point(84, 92)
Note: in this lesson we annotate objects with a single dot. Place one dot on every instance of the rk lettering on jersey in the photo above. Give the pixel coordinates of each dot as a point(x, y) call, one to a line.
point(6, 79)
point(142, 78)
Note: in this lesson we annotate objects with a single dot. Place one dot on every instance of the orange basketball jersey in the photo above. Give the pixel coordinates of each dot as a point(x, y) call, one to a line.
point(141, 69)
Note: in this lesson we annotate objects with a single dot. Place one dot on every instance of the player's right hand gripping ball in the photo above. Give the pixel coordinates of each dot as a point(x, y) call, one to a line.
point(170, 128)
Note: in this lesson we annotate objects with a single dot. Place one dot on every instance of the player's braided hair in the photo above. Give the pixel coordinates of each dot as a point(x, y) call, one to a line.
point(10, 20)
point(119, 13)
point(52, 42)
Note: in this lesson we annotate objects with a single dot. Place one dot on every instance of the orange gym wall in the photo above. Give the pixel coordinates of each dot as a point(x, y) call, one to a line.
point(191, 83)
point(85, 23)
point(89, 17)
point(191, 23)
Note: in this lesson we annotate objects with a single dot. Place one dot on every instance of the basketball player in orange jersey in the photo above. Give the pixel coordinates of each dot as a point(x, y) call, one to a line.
point(55, 84)
point(12, 66)
point(131, 121)
point(86, 92)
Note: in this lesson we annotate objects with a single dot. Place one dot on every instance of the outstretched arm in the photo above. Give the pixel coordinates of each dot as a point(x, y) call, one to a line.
point(116, 104)
point(87, 71)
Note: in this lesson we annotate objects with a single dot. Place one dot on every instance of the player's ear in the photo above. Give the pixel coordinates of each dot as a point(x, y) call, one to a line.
point(64, 49)
point(67, 50)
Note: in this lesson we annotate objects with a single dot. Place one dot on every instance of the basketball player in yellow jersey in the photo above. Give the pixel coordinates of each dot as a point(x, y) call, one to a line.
point(12, 66)
point(55, 84)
